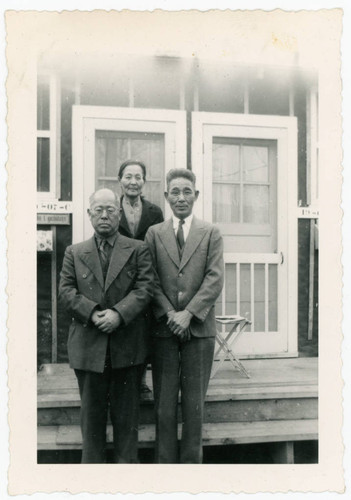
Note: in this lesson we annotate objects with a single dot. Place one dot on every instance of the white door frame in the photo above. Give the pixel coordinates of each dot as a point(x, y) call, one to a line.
point(284, 131)
point(87, 119)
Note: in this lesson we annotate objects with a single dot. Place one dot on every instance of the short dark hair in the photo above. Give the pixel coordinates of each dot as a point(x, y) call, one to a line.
point(131, 162)
point(175, 173)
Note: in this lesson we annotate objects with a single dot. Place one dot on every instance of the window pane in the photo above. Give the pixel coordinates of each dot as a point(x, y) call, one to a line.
point(150, 150)
point(109, 184)
point(112, 148)
point(109, 153)
point(255, 164)
point(225, 202)
point(259, 297)
point(153, 191)
point(226, 166)
point(273, 298)
point(43, 164)
point(43, 103)
point(256, 204)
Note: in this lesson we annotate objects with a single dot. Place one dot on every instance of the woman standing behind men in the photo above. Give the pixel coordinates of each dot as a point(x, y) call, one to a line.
point(137, 214)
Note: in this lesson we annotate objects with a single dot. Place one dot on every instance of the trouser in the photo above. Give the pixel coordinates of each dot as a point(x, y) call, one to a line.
point(185, 366)
point(119, 390)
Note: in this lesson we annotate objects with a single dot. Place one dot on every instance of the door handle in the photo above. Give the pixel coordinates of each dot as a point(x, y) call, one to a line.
point(281, 258)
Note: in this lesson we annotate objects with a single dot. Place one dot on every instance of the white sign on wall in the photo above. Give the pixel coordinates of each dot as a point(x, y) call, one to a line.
point(55, 206)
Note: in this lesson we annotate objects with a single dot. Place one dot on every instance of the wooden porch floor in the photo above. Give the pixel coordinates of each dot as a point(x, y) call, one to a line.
point(296, 377)
point(278, 403)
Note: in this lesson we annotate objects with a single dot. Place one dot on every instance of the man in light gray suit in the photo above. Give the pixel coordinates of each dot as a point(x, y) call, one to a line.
point(188, 257)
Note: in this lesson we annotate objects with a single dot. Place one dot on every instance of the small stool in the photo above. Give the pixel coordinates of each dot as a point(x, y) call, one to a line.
point(226, 341)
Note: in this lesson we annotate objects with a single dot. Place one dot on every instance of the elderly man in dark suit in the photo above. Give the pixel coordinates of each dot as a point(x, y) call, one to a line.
point(188, 258)
point(106, 284)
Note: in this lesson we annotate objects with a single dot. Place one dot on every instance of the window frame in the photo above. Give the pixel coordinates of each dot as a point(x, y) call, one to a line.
point(54, 135)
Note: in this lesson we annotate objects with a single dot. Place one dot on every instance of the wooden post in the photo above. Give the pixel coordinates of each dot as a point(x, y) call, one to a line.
point(54, 298)
point(182, 94)
point(311, 283)
point(196, 95)
point(291, 101)
point(284, 452)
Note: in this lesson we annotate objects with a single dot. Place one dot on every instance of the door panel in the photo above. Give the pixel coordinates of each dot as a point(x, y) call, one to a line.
point(246, 171)
point(112, 148)
point(104, 137)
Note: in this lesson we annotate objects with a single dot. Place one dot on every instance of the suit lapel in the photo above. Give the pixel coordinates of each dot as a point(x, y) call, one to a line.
point(196, 234)
point(119, 256)
point(145, 218)
point(123, 223)
point(90, 257)
point(169, 242)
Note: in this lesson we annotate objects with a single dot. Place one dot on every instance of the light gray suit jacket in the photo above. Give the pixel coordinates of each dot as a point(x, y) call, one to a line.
point(193, 282)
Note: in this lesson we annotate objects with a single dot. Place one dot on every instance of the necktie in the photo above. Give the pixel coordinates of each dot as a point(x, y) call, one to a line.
point(103, 256)
point(180, 234)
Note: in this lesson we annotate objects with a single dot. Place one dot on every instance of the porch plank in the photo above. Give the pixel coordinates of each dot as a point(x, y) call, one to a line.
point(214, 411)
point(69, 437)
point(270, 378)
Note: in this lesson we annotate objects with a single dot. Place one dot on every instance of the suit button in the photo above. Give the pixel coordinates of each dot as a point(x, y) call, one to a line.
point(84, 275)
point(180, 274)
point(85, 325)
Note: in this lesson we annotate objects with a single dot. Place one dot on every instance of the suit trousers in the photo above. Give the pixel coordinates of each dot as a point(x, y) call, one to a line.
point(185, 366)
point(118, 390)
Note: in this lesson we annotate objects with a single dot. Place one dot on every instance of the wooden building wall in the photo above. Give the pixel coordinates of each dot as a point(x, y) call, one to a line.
point(173, 84)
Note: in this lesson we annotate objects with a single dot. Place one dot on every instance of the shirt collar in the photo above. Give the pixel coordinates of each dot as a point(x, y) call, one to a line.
point(136, 204)
point(110, 240)
point(187, 221)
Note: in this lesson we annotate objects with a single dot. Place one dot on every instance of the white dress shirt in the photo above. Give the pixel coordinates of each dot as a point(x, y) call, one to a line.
point(186, 225)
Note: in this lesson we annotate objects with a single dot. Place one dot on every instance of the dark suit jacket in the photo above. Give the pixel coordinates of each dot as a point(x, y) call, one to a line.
point(128, 289)
point(151, 214)
point(194, 282)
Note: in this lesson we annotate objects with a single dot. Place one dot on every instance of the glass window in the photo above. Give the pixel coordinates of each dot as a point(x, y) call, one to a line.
point(226, 177)
point(43, 103)
point(43, 164)
point(255, 163)
point(256, 204)
point(114, 147)
point(226, 162)
point(242, 181)
point(226, 208)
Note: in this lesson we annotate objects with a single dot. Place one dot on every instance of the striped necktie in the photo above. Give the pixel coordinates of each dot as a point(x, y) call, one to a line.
point(180, 234)
point(103, 257)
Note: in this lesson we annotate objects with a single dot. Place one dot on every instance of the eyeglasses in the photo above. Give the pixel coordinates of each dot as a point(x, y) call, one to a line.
point(100, 210)
point(187, 193)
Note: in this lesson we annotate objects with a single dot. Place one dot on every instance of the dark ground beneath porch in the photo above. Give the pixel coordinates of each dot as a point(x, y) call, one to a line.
point(306, 452)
